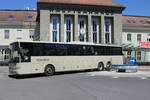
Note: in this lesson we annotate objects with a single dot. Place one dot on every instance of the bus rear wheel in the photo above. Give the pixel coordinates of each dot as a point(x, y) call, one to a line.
point(49, 70)
point(100, 66)
point(108, 66)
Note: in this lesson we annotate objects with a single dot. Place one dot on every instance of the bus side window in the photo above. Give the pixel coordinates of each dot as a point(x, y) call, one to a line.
point(98, 50)
point(77, 50)
point(92, 50)
point(61, 50)
point(38, 50)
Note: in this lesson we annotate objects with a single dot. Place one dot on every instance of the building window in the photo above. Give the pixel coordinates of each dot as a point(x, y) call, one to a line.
point(30, 17)
point(131, 21)
point(95, 29)
point(128, 54)
point(82, 29)
point(31, 34)
point(128, 37)
point(1, 56)
point(6, 32)
point(148, 40)
point(54, 36)
point(108, 30)
point(68, 29)
point(6, 55)
point(139, 55)
point(11, 16)
point(107, 25)
point(138, 37)
point(55, 28)
point(19, 34)
point(143, 22)
point(107, 38)
point(148, 34)
point(148, 22)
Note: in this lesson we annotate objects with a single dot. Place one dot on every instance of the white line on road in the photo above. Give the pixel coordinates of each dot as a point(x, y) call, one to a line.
point(93, 75)
point(143, 78)
point(115, 77)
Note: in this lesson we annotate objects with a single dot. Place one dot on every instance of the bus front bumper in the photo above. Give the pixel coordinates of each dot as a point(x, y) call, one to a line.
point(13, 70)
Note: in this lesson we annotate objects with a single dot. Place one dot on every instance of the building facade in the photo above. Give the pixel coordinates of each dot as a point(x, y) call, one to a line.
point(136, 37)
point(15, 25)
point(98, 21)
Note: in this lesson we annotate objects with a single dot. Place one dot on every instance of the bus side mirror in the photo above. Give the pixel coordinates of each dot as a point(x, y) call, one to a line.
point(26, 58)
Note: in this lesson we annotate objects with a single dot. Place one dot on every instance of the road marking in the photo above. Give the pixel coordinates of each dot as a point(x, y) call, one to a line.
point(143, 78)
point(92, 75)
point(115, 77)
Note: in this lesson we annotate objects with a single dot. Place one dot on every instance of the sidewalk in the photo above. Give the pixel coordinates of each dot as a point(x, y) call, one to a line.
point(144, 68)
point(114, 74)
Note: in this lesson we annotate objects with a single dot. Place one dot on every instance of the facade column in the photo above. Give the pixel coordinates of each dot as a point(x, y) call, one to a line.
point(62, 28)
point(44, 25)
point(90, 35)
point(117, 29)
point(76, 35)
point(102, 29)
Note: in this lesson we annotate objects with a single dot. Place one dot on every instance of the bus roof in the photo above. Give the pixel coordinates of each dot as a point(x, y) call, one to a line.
point(74, 43)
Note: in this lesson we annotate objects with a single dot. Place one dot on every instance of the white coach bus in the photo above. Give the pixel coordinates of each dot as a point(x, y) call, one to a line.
point(48, 58)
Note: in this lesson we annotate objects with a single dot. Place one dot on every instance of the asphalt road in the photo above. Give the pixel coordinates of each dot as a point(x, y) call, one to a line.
point(75, 86)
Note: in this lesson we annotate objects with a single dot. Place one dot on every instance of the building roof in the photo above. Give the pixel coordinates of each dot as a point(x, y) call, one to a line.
point(84, 2)
point(136, 21)
point(18, 15)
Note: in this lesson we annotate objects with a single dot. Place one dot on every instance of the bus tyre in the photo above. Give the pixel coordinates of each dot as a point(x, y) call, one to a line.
point(49, 70)
point(100, 66)
point(108, 66)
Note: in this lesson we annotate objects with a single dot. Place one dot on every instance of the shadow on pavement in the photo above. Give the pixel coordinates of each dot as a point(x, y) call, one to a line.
point(42, 75)
point(26, 76)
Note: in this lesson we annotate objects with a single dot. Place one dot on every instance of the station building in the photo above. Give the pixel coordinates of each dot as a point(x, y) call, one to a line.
point(15, 25)
point(136, 37)
point(97, 21)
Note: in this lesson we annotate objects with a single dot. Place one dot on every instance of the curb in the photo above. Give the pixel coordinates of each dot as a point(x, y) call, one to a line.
point(144, 68)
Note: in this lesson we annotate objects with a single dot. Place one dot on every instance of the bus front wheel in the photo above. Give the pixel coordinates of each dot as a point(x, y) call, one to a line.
point(49, 70)
point(100, 66)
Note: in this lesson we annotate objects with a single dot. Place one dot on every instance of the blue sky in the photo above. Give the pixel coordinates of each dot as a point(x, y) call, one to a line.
point(134, 7)
point(17, 4)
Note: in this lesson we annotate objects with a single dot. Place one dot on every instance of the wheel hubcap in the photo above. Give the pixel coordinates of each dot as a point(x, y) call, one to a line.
point(49, 70)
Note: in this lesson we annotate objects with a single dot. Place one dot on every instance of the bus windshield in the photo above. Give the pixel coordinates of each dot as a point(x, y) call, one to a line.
point(19, 53)
point(14, 55)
